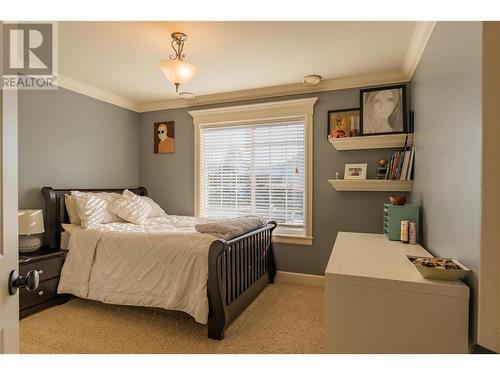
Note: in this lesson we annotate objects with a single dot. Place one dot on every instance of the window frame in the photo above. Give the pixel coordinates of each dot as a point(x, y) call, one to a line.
point(302, 109)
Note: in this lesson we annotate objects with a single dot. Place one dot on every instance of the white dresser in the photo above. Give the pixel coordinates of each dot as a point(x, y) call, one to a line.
point(377, 302)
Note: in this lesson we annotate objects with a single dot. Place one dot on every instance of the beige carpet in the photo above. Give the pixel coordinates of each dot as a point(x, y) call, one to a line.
point(285, 318)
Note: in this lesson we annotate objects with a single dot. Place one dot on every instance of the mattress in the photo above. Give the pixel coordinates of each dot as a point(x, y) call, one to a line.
point(161, 263)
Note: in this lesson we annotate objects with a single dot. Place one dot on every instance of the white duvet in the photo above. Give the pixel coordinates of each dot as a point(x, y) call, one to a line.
point(161, 263)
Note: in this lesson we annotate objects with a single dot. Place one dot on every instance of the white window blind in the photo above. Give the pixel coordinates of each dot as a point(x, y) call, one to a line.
point(255, 169)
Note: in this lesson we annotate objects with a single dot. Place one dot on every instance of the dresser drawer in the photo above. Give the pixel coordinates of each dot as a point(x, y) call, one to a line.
point(46, 291)
point(49, 268)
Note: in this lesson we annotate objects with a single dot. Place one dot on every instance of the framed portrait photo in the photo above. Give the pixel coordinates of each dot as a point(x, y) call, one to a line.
point(343, 123)
point(164, 137)
point(355, 171)
point(383, 110)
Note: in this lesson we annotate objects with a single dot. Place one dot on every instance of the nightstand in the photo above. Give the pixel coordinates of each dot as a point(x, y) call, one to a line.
point(48, 263)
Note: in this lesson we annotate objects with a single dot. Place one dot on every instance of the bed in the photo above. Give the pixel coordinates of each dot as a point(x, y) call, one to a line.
point(237, 269)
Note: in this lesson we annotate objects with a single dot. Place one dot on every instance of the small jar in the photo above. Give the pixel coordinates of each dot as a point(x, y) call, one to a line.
point(412, 233)
point(404, 231)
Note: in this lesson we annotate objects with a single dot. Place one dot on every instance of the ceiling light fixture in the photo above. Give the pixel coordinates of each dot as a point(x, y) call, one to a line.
point(176, 69)
point(186, 95)
point(311, 79)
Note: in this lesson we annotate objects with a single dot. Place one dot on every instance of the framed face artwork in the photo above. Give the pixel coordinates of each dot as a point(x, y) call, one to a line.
point(164, 137)
point(383, 110)
point(343, 123)
point(355, 172)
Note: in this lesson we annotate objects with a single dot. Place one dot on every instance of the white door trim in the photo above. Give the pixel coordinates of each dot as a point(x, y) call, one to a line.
point(9, 256)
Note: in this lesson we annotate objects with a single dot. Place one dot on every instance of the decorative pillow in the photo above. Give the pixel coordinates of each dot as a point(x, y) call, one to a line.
point(156, 210)
point(93, 208)
point(70, 207)
point(130, 207)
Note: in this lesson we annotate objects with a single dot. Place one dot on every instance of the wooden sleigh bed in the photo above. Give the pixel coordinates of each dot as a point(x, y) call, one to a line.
point(238, 269)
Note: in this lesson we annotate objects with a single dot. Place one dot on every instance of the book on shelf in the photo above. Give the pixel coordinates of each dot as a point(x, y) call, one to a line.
point(401, 165)
point(406, 163)
point(410, 167)
point(411, 122)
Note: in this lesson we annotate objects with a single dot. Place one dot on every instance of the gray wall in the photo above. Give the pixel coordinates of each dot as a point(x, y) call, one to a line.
point(446, 96)
point(169, 179)
point(70, 140)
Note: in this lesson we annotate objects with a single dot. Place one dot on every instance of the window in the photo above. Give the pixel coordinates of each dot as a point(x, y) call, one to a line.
point(254, 169)
point(249, 164)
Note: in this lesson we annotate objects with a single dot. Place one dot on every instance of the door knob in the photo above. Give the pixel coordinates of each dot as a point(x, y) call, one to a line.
point(30, 281)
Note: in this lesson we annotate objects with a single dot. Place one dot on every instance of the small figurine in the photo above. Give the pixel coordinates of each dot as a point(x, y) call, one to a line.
point(337, 176)
point(339, 127)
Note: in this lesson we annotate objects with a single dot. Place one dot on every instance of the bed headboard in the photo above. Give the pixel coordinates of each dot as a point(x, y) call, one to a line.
point(55, 212)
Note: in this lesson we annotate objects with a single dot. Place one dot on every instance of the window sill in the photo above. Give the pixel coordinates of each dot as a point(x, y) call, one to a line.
point(292, 240)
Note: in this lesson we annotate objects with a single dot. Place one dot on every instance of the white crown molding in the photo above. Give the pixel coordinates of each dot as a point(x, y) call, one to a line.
point(234, 96)
point(96, 93)
point(418, 42)
point(283, 90)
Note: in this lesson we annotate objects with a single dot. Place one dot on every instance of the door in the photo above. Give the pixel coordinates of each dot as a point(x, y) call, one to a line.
point(488, 331)
point(9, 305)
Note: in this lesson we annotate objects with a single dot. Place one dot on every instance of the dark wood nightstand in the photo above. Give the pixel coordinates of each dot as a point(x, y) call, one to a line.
point(48, 263)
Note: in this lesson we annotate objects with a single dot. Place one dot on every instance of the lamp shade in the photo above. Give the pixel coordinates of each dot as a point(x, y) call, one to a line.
point(177, 71)
point(30, 222)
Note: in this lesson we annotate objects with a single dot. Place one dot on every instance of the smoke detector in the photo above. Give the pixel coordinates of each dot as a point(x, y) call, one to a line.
point(311, 79)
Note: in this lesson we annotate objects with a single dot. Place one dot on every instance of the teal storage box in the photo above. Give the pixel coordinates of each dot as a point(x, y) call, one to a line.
point(393, 215)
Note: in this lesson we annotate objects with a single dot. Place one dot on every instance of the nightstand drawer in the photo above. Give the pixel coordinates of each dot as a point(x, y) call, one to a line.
point(50, 268)
point(46, 291)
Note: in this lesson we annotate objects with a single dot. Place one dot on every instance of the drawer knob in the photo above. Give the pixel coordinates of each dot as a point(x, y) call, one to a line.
point(40, 272)
point(40, 293)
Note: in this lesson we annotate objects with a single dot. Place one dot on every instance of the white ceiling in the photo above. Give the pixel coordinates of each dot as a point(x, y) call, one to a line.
point(122, 58)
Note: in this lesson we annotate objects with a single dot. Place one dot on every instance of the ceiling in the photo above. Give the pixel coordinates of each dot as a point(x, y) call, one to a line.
point(122, 58)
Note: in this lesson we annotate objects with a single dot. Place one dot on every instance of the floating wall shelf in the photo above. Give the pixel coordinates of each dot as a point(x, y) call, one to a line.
point(371, 142)
point(372, 185)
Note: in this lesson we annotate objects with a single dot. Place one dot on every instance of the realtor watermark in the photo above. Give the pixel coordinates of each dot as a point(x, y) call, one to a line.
point(30, 55)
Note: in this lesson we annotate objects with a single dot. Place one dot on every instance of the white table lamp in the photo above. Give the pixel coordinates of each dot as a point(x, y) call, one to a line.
point(31, 230)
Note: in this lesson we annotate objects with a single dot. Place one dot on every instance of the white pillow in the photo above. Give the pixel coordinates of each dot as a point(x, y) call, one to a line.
point(93, 208)
point(131, 208)
point(71, 209)
point(156, 210)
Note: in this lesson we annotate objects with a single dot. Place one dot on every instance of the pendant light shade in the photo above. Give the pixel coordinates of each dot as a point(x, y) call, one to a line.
point(176, 69)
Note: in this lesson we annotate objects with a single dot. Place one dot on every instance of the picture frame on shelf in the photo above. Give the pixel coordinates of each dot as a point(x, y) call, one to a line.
point(383, 110)
point(355, 171)
point(343, 123)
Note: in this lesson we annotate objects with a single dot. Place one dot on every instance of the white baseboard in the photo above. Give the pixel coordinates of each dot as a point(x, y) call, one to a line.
point(300, 278)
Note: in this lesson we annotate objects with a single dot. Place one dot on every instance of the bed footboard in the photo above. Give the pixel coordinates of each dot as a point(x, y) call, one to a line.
point(238, 270)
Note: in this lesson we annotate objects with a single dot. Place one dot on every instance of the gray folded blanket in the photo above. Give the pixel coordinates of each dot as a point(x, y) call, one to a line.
point(233, 227)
